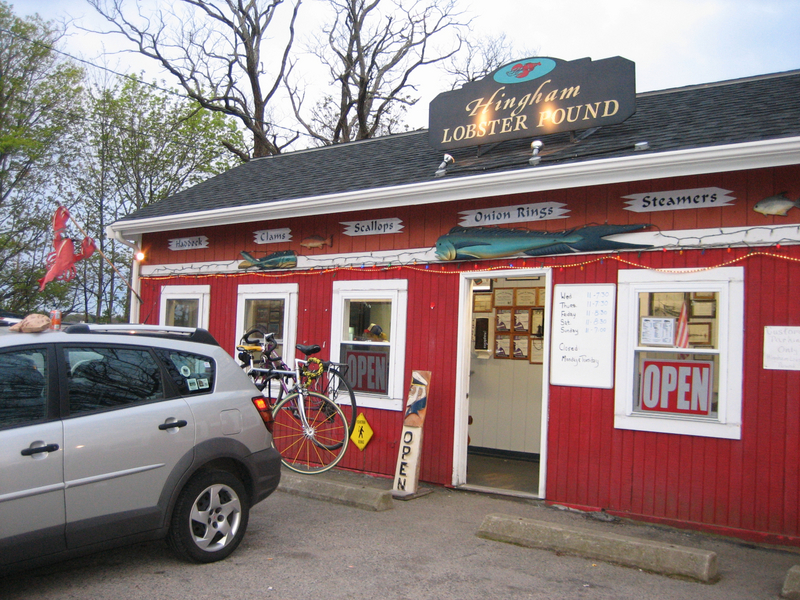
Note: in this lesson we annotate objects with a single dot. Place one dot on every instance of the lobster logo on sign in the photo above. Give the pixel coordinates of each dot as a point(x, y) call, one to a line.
point(524, 70)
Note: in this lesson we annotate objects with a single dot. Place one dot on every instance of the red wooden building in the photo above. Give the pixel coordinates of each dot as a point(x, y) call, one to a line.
point(617, 315)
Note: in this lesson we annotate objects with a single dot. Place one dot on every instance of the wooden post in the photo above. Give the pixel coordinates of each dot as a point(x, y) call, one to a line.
point(406, 476)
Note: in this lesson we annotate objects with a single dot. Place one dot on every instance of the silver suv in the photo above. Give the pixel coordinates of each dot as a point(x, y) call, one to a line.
point(112, 435)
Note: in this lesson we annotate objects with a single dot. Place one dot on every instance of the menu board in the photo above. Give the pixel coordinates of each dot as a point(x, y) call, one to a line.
point(582, 339)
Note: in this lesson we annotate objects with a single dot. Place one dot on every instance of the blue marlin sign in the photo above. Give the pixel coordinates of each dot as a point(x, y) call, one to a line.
point(468, 243)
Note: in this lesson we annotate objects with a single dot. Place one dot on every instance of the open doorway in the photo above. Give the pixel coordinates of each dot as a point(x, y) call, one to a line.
point(505, 402)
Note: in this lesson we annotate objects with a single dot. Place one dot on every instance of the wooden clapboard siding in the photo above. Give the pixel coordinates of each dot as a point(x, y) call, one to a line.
point(431, 346)
point(423, 224)
point(750, 485)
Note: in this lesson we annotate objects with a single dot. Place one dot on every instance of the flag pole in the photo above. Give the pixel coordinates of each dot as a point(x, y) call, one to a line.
point(121, 276)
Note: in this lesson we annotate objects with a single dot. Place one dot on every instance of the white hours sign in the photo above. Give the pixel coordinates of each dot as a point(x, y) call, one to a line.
point(582, 340)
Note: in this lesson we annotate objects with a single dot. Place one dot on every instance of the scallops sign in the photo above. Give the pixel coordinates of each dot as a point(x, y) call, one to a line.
point(534, 96)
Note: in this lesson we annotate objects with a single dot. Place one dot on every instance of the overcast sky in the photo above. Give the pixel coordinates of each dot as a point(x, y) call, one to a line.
point(673, 42)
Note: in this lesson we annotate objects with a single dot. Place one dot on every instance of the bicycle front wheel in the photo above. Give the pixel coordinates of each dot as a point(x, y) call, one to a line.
point(316, 445)
point(333, 384)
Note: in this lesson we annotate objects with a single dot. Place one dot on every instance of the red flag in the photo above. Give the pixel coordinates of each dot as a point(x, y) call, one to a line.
point(61, 261)
point(682, 334)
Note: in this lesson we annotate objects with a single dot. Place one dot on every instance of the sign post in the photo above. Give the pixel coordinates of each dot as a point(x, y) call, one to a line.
point(406, 476)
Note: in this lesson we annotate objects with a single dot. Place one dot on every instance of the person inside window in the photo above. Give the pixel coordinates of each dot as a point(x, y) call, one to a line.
point(375, 333)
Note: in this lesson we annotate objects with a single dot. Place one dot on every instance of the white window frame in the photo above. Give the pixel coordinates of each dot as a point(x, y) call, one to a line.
point(288, 292)
point(395, 290)
point(728, 283)
point(202, 293)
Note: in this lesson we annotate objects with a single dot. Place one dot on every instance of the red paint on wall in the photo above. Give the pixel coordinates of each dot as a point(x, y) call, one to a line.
point(749, 485)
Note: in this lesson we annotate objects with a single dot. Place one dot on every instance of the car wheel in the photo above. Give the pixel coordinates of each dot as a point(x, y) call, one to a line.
point(210, 517)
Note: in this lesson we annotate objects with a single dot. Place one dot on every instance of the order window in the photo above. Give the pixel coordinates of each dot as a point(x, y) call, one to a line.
point(368, 330)
point(679, 352)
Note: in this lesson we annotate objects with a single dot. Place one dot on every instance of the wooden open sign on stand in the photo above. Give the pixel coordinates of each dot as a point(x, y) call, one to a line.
point(406, 476)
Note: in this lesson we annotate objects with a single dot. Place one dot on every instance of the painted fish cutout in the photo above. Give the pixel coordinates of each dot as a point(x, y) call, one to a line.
point(317, 241)
point(777, 205)
point(465, 243)
point(284, 259)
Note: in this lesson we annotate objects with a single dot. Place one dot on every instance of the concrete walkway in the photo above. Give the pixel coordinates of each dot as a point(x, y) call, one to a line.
point(647, 548)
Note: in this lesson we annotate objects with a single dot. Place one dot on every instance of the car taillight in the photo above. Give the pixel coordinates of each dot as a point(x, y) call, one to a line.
point(262, 406)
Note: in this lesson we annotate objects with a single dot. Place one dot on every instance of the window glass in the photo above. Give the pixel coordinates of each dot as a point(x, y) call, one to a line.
point(185, 305)
point(368, 324)
point(679, 352)
point(267, 313)
point(182, 312)
point(109, 377)
point(192, 374)
point(23, 387)
point(681, 382)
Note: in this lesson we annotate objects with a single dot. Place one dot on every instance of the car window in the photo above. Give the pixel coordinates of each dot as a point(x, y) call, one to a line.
point(109, 377)
point(23, 387)
point(192, 373)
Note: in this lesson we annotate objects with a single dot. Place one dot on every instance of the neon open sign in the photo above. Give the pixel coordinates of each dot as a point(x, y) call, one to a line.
point(677, 386)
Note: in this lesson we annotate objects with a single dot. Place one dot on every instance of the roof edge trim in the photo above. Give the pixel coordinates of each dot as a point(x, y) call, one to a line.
point(649, 165)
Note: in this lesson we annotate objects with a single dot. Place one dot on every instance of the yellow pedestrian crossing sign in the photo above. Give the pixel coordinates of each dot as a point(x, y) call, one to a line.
point(362, 433)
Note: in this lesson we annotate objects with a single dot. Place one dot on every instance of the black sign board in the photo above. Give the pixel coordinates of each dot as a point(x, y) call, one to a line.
point(534, 96)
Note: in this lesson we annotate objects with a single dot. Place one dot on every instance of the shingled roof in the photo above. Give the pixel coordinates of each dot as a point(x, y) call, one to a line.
point(730, 112)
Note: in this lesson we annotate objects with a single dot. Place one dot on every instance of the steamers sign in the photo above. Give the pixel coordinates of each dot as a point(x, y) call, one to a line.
point(534, 96)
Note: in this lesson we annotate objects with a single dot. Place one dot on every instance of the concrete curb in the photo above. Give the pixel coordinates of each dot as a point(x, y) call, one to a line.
point(665, 559)
point(791, 585)
point(320, 488)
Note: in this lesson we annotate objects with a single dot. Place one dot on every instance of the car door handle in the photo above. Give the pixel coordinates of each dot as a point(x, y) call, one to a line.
point(39, 449)
point(165, 426)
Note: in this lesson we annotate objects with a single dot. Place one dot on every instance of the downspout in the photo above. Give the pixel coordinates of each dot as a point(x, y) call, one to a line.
point(114, 234)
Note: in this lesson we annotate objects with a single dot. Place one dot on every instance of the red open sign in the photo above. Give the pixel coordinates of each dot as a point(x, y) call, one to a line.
point(677, 386)
point(368, 372)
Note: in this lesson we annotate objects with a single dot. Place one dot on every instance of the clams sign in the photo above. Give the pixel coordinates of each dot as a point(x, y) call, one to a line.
point(534, 96)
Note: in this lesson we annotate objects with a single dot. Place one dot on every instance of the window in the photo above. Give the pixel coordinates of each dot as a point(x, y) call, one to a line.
point(101, 378)
point(185, 305)
point(192, 374)
point(23, 387)
point(368, 334)
point(679, 352)
point(272, 306)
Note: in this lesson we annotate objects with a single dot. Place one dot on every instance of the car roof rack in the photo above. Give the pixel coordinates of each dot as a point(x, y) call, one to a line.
point(191, 334)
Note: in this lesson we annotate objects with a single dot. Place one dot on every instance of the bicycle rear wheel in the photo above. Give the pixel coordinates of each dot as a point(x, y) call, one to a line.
point(316, 448)
point(333, 384)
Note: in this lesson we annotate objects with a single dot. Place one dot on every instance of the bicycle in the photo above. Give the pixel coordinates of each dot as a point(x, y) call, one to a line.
point(310, 431)
point(332, 382)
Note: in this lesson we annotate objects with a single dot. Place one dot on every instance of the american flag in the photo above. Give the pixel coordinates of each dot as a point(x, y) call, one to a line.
point(682, 334)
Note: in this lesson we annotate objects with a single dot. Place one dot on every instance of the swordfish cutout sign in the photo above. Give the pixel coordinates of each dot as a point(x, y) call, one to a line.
point(406, 476)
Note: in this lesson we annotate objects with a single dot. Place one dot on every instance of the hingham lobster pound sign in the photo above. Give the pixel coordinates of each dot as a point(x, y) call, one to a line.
point(531, 97)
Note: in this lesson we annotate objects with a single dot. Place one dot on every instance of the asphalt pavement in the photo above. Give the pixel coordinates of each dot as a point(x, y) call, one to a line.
point(298, 547)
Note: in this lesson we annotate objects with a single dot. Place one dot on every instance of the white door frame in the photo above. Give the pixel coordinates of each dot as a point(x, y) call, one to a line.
point(460, 436)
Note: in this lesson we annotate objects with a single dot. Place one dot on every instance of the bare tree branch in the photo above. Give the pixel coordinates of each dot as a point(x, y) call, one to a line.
point(371, 51)
point(481, 56)
point(214, 51)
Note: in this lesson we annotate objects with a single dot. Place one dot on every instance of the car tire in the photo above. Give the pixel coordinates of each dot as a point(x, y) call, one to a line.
point(210, 517)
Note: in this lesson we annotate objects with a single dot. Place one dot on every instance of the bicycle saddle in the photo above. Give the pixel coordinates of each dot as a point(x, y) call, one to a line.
point(308, 350)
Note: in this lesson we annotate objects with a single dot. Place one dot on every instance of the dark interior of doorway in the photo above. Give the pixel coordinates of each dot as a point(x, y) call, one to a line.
point(503, 470)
